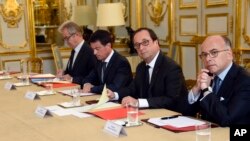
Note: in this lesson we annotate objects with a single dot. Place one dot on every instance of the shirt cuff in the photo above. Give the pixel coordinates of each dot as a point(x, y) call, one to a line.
point(116, 96)
point(192, 98)
point(205, 94)
point(143, 103)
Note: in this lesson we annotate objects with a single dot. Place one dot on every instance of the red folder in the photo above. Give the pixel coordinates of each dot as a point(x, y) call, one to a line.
point(111, 114)
point(59, 85)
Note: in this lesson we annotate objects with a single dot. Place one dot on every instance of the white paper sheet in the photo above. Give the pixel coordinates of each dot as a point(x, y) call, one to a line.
point(70, 91)
point(178, 122)
point(45, 92)
point(59, 111)
point(20, 84)
point(87, 108)
point(104, 97)
point(48, 75)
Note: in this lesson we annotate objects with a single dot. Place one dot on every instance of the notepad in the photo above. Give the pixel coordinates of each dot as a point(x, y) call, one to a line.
point(179, 124)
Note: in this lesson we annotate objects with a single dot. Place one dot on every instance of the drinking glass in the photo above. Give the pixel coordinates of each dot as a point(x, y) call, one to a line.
point(203, 132)
point(132, 113)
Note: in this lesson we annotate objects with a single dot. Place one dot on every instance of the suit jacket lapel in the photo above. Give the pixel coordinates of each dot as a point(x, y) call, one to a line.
point(224, 92)
point(78, 57)
point(155, 73)
point(110, 63)
point(156, 69)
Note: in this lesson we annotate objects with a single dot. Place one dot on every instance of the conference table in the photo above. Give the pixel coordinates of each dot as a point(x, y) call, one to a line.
point(18, 121)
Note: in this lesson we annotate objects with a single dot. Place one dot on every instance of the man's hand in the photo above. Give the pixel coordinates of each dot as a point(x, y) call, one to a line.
point(59, 73)
point(127, 100)
point(87, 87)
point(203, 81)
point(67, 77)
point(110, 94)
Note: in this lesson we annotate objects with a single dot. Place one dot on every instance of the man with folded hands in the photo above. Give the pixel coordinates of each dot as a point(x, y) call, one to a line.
point(224, 97)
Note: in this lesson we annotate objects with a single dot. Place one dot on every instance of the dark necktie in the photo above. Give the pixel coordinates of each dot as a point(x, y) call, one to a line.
point(103, 70)
point(216, 86)
point(146, 85)
point(71, 59)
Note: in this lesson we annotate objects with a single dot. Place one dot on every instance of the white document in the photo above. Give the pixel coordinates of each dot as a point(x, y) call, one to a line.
point(180, 121)
point(104, 97)
point(87, 108)
point(57, 110)
point(57, 80)
point(71, 91)
point(5, 77)
point(20, 84)
point(45, 92)
point(69, 104)
point(48, 75)
point(81, 115)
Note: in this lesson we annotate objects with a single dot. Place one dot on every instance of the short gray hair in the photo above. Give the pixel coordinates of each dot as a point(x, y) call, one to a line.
point(71, 26)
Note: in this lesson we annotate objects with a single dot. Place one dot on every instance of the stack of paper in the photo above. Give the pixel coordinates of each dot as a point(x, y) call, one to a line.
point(178, 124)
point(70, 92)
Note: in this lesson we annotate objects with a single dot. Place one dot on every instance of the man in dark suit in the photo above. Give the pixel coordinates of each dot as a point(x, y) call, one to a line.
point(224, 96)
point(112, 68)
point(157, 86)
point(82, 60)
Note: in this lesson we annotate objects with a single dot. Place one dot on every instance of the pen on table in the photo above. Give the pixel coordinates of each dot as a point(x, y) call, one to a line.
point(171, 117)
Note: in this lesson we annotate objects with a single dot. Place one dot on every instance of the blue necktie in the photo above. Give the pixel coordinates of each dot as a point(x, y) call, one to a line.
point(216, 86)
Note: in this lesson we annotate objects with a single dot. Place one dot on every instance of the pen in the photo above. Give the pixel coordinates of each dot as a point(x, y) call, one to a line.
point(171, 117)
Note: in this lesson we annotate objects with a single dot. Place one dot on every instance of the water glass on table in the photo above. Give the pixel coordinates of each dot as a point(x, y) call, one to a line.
point(25, 79)
point(132, 113)
point(49, 87)
point(75, 97)
point(203, 132)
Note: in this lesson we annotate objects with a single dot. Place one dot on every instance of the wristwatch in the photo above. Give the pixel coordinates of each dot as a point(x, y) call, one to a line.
point(207, 90)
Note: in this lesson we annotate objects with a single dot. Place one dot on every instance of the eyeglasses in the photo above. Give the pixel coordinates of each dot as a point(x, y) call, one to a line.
point(144, 43)
point(212, 54)
point(67, 38)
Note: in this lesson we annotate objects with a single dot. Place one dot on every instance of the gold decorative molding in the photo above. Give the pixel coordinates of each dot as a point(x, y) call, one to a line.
point(22, 45)
point(157, 9)
point(198, 39)
point(12, 12)
point(124, 9)
point(245, 28)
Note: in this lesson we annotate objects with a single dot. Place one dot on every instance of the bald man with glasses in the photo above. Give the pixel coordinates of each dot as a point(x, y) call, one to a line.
point(159, 81)
point(222, 91)
point(81, 60)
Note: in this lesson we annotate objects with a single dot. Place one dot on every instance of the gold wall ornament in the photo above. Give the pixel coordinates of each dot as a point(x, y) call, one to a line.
point(12, 12)
point(198, 39)
point(124, 9)
point(67, 14)
point(157, 9)
point(4, 45)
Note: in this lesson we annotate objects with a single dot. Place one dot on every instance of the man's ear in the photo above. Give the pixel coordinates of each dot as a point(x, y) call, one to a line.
point(108, 45)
